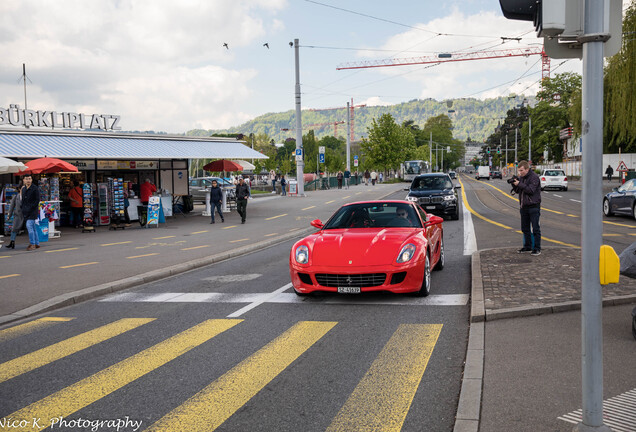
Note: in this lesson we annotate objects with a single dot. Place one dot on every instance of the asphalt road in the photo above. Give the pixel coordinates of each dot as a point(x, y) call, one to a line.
point(229, 347)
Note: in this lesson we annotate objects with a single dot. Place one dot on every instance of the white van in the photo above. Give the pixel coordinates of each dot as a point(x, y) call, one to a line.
point(483, 172)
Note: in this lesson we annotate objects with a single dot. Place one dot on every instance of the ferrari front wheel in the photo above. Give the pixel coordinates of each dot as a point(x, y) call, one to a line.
point(425, 289)
point(441, 261)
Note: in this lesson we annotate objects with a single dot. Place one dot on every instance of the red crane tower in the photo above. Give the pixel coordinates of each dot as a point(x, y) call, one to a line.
point(351, 111)
point(455, 57)
point(320, 125)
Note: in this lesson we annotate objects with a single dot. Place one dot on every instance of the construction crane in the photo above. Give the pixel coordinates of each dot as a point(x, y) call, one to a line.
point(351, 112)
point(319, 125)
point(455, 57)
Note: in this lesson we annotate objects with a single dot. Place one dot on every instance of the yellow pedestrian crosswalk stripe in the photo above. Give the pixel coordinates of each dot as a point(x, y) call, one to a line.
point(30, 327)
point(85, 392)
point(213, 405)
point(381, 401)
point(44, 356)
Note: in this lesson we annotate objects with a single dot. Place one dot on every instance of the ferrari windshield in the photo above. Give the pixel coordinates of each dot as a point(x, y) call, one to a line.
point(374, 215)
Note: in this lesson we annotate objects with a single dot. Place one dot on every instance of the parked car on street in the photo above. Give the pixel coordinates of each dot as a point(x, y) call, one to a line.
point(495, 174)
point(370, 246)
point(199, 185)
point(452, 174)
point(436, 194)
point(621, 200)
point(553, 179)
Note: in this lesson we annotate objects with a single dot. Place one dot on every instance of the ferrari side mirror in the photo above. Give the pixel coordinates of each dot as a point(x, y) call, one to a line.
point(317, 223)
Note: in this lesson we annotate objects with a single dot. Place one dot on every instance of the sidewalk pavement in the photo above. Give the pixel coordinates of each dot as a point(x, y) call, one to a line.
point(524, 373)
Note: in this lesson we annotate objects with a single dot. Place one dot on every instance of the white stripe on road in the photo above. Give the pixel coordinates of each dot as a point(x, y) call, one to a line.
point(558, 196)
point(264, 298)
point(470, 240)
point(279, 296)
point(619, 412)
point(575, 200)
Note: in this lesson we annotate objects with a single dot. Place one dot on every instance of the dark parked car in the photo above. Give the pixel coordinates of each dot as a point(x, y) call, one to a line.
point(436, 194)
point(199, 185)
point(452, 174)
point(495, 174)
point(621, 200)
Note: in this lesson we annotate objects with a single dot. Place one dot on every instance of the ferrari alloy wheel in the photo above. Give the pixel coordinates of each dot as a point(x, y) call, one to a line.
point(425, 289)
point(606, 208)
point(442, 260)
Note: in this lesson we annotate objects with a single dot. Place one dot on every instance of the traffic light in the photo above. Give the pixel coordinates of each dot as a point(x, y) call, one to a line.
point(498, 150)
point(488, 149)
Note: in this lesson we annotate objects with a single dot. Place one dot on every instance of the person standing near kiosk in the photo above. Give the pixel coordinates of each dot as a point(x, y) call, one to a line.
point(146, 190)
point(30, 203)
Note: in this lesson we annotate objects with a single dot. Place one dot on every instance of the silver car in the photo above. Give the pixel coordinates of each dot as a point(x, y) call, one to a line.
point(199, 186)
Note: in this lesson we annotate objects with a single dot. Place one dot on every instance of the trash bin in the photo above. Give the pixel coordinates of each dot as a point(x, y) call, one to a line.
point(188, 203)
point(630, 175)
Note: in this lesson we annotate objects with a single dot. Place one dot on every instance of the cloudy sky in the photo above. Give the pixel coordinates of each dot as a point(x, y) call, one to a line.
point(161, 65)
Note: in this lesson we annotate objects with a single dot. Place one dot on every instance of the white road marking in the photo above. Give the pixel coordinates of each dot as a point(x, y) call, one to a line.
point(470, 241)
point(279, 296)
point(264, 298)
point(233, 278)
point(558, 196)
point(619, 412)
point(575, 200)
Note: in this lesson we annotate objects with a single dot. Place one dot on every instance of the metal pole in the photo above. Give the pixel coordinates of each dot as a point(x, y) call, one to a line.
point(430, 150)
point(516, 159)
point(530, 141)
point(299, 129)
point(348, 139)
point(592, 225)
point(506, 148)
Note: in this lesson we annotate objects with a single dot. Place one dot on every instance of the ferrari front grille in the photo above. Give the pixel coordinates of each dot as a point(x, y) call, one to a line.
point(351, 280)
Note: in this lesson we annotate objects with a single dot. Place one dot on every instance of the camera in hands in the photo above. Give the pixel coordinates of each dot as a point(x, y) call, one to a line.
point(512, 179)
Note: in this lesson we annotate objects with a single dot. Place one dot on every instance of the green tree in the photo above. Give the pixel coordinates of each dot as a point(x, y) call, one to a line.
point(388, 145)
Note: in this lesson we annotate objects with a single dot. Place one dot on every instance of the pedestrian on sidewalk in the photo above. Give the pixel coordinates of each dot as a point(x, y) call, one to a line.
point(339, 177)
point(528, 186)
point(216, 197)
point(272, 178)
point(242, 194)
point(30, 202)
point(347, 178)
point(374, 177)
point(367, 176)
point(283, 185)
point(75, 196)
point(609, 172)
point(15, 210)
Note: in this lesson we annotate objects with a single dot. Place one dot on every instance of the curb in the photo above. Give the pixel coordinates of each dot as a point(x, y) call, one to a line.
point(111, 287)
point(469, 407)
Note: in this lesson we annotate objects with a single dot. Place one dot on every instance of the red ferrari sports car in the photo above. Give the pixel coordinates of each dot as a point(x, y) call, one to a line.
point(370, 246)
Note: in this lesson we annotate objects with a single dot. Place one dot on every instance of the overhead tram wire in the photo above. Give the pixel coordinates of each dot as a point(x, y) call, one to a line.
point(398, 23)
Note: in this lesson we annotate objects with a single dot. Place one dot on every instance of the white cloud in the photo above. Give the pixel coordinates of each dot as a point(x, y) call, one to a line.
point(160, 65)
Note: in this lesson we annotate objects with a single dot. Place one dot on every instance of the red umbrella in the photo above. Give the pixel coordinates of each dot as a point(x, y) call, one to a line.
point(222, 165)
point(47, 165)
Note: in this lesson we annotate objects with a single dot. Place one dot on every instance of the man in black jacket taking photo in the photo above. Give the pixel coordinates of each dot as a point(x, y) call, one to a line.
point(528, 187)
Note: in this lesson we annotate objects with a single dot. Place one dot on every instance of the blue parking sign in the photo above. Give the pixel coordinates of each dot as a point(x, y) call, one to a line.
point(322, 158)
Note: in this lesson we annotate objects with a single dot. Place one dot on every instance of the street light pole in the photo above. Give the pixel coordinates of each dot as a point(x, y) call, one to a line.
point(299, 130)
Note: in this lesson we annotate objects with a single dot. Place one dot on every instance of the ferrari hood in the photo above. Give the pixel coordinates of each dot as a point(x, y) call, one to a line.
point(359, 246)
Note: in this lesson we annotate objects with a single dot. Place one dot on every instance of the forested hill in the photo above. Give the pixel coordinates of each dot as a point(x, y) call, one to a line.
point(472, 118)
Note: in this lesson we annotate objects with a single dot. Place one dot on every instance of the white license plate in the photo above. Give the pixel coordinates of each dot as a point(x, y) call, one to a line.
point(430, 207)
point(349, 290)
point(555, 180)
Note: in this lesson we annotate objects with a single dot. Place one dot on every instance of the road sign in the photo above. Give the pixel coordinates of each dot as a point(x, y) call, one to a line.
point(299, 155)
point(322, 158)
point(321, 149)
point(622, 167)
point(355, 162)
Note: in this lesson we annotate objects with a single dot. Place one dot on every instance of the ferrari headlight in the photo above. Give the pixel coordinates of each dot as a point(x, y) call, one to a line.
point(302, 254)
point(407, 252)
point(449, 197)
point(411, 198)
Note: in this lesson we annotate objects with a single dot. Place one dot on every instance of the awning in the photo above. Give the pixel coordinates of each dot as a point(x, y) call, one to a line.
point(91, 145)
